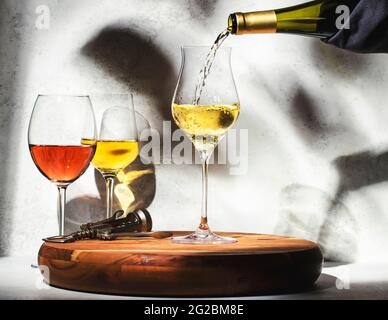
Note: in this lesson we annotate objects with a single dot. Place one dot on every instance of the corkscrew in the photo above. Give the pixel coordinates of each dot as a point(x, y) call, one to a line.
point(135, 224)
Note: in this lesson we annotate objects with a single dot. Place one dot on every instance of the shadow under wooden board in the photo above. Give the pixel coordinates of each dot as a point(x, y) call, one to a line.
point(256, 264)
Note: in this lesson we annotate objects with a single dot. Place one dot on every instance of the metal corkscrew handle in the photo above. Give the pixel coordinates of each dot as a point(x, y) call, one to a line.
point(138, 221)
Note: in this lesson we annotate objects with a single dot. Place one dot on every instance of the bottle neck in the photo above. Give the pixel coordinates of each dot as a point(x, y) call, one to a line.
point(253, 22)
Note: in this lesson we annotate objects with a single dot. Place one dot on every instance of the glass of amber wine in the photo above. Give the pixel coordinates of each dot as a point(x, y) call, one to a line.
point(57, 126)
point(205, 110)
point(117, 142)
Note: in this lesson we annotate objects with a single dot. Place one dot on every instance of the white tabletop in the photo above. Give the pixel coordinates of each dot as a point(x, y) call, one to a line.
point(18, 280)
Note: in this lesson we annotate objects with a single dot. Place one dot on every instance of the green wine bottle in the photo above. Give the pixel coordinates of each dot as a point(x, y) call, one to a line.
point(320, 18)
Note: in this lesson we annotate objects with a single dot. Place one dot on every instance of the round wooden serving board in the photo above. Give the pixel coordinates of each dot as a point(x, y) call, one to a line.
point(256, 264)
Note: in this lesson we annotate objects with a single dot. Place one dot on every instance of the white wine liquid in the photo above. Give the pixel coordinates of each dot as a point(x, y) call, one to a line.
point(205, 124)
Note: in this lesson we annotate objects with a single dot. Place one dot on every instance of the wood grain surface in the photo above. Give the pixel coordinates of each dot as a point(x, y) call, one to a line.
point(256, 264)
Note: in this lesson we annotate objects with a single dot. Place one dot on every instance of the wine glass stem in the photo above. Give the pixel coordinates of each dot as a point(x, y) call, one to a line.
point(109, 180)
point(203, 226)
point(61, 209)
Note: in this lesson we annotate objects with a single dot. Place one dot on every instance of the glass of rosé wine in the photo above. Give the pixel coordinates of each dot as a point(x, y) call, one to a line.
point(58, 124)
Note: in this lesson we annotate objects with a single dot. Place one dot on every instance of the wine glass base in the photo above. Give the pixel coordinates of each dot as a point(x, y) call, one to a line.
point(209, 238)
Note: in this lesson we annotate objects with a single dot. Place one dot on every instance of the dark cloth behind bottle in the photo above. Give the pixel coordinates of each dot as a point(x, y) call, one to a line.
point(368, 31)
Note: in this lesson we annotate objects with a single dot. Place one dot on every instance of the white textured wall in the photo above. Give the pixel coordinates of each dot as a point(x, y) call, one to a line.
point(317, 120)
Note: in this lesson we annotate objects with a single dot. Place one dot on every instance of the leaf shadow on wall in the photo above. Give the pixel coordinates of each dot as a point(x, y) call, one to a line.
point(136, 61)
point(305, 115)
point(339, 62)
point(315, 214)
point(202, 9)
point(306, 211)
point(357, 171)
point(311, 213)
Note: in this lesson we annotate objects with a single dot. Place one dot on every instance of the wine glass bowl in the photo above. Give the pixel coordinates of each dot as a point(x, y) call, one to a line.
point(58, 124)
point(205, 108)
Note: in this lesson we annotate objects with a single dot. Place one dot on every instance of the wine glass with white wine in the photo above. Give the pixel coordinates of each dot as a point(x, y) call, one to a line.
point(117, 143)
point(205, 109)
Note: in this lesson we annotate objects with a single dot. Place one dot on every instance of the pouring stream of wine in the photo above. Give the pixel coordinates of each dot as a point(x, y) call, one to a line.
point(203, 74)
